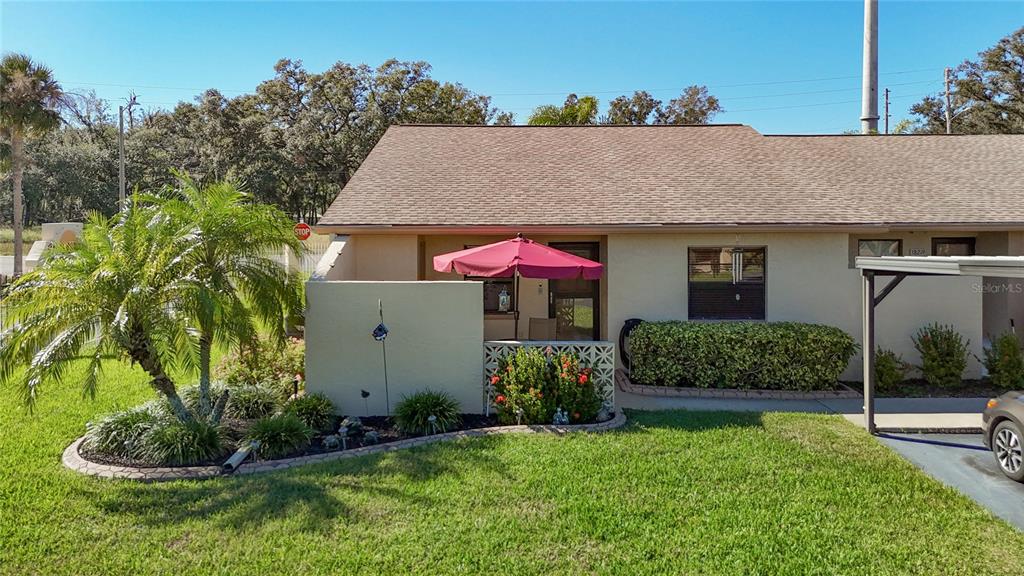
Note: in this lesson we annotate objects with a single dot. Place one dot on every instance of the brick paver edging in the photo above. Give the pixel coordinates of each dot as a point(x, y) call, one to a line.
point(73, 460)
point(626, 385)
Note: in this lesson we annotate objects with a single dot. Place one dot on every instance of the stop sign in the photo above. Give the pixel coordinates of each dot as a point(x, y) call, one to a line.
point(302, 231)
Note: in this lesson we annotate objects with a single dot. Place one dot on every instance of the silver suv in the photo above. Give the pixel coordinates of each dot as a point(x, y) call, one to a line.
point(1003, 426)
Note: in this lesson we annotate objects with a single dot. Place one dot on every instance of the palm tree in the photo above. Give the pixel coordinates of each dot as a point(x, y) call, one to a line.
point(234, 287)
point(574, 112)
point(28, 99)
point(110, 294)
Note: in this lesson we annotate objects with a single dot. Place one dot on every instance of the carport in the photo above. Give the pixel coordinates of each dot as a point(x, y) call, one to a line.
point(896, 268)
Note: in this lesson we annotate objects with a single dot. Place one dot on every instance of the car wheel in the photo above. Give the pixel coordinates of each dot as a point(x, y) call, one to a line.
point(1008, 447)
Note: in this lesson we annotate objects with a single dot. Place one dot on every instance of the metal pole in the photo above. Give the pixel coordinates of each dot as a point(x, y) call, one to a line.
point(887, 111)
point(515, 335)
point(868, 341)
point(120, 157)
point(869, 86)
point(384, 351)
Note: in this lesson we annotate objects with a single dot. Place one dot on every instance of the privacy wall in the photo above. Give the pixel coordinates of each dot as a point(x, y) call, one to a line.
point(435, 341)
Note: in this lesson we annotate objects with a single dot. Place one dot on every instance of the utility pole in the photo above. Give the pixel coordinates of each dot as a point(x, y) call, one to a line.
point(869, 85)
point(120, 149)
point(887, 111)
point(949, 113)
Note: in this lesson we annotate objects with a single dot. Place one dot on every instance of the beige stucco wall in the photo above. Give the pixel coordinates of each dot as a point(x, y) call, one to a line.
point(338, 261)
point(1016, 296)
point(808, 280)
point(435, 341)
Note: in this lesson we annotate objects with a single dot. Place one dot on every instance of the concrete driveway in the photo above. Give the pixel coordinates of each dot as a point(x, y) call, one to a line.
point(962, 462)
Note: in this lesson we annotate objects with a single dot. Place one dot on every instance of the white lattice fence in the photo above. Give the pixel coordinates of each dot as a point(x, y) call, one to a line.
point(598, 356)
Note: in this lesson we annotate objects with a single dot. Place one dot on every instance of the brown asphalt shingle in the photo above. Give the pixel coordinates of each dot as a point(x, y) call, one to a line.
point(683, 175)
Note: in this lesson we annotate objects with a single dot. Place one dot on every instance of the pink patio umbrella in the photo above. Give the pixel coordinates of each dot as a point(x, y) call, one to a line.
point(518, 257)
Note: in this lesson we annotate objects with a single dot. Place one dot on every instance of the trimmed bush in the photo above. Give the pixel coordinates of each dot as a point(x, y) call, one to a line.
point(123, 434)
point(280, 435)
point(173, 443)
point(944, 355)
point(753, 355)
point(412, 415)
point(890, 370)
point(1005, 362)
point(315, 410)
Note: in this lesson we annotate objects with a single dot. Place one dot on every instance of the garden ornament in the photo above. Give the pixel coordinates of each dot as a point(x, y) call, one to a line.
point(561, 418)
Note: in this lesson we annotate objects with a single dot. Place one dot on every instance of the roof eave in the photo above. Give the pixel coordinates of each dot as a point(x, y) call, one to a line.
point(850, 228)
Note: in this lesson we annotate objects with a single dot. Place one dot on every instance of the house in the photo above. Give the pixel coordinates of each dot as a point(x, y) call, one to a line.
point(710, 223)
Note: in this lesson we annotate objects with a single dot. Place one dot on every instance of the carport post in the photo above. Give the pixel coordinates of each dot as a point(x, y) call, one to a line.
point(868, 341)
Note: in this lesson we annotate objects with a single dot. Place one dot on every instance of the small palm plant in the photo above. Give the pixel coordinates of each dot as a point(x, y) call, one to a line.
point(110, 294)
point(234, 287)
point(159, 283)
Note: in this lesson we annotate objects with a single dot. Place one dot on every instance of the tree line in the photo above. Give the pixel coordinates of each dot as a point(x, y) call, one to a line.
point(300, 136)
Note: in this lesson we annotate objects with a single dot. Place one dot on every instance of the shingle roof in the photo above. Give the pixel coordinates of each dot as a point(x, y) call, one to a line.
point(679, 175)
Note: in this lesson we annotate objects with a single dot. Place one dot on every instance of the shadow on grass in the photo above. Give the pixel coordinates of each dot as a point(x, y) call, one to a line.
point(316, 494)
point(691, 420)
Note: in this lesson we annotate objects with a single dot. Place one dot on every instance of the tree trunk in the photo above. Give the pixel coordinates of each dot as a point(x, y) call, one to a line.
point(205, 346)
point(218, 408)
point(142, 353)
point(18, 166)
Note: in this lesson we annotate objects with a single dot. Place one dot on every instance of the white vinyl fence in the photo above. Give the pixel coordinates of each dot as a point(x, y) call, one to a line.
point(316, 245)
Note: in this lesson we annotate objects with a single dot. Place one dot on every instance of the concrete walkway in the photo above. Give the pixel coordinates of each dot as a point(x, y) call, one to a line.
point(947, 414)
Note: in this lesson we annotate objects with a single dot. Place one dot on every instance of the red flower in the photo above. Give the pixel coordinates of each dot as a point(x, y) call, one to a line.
point(495, 379)
point(583, 378)
point(500, 399)
point(575, 415)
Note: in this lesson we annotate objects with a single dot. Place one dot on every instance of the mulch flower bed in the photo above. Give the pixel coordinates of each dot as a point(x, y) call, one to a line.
point(382, 426)
point(918, 388)
point(386, 432)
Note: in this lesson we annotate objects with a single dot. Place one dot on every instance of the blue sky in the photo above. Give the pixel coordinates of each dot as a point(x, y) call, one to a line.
point(782, 67)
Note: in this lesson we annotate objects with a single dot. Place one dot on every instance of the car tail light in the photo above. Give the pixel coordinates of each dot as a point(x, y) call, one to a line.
point(992, 403)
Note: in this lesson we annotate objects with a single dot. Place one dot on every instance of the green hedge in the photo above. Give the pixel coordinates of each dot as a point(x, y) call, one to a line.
point(761, 355)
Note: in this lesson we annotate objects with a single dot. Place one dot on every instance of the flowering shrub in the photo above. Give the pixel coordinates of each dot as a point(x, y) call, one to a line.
point(520, 385)
point(575, 392)
point(530, 385)
point(943, 354)
point(265, 364)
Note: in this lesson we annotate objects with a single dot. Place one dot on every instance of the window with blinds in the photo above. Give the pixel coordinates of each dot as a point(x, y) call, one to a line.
point(726, 283)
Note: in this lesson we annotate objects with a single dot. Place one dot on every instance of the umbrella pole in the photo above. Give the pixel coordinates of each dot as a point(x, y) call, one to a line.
point(515, 335)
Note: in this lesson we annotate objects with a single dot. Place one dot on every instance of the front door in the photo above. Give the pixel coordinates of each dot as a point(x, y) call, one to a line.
point(575, 303)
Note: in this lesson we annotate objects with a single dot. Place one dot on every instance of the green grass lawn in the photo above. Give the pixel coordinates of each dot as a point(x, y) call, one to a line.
point(674, 493)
